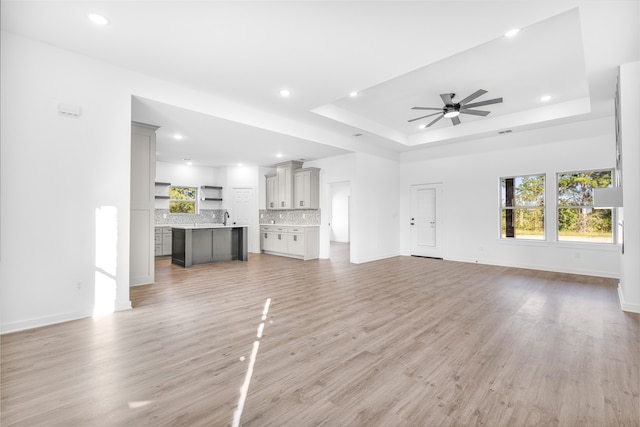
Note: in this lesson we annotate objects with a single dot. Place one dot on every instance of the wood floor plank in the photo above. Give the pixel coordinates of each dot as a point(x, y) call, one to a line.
point(398, 342)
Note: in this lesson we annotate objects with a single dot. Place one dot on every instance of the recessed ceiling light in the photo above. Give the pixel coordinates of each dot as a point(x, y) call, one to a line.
point(545, 98)
point(98, 19)
point(177, 136)
point(240, 165)
point(189, 162)
point(512, 32)
point(285, 92)
point(279, 155)
point(353, 94)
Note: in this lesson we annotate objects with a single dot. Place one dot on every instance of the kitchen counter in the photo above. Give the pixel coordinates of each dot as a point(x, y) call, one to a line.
point(288, 225)
point(206, 243)
point(203, 225)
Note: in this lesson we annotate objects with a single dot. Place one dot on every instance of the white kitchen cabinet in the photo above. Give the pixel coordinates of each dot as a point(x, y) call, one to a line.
point(280, 187)
point(280, 241)
point(306, 188)
point(272, 190)
point(162, 240)
point(293, 241)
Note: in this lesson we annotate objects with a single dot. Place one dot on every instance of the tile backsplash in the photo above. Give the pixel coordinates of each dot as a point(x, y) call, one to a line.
point(292, 217)
point(162, 216)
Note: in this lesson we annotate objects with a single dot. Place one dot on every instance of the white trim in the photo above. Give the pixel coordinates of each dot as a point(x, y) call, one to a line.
point(41, 321)
point(631, 308)
point(583, 272)
point(377, 258)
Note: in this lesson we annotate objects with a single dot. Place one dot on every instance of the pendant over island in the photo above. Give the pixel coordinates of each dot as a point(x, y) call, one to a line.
point(207, 243)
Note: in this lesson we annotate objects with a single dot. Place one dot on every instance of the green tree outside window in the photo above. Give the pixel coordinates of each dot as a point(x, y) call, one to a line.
point(183, 199)
point(578, 220)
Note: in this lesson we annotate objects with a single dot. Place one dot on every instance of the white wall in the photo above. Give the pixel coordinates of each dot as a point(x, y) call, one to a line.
point(630, 129)
point(375, 206)
point(471, 187)
point(58, 174)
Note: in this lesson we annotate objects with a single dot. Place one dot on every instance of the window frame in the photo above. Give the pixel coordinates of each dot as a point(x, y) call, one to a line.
point(196, 206)
point(558, 206)
point(543, 208)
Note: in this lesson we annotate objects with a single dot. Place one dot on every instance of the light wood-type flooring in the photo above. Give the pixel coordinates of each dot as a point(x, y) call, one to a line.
point(404, 341)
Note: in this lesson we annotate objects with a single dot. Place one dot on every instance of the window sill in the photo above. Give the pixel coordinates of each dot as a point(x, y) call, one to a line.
point(608, 247)
point(526, 242)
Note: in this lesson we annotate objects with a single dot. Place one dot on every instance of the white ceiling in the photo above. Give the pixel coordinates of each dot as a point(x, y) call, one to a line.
point(396, 54)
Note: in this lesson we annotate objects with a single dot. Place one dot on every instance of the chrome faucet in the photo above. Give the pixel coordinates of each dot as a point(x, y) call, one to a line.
point(225, 217)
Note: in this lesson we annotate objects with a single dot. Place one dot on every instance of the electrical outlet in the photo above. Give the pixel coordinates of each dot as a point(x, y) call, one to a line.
point(304, 216)
point(261, 216)
point(214, 215)
point(280, 215)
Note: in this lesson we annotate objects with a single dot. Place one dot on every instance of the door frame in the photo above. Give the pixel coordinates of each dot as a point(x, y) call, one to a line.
point(438, 251)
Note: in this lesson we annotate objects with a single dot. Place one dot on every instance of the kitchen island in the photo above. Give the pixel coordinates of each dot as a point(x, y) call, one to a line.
point(206, 243)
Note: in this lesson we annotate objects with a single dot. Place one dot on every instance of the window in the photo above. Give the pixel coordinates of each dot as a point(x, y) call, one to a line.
point(578, 220)
point(522, 207)
point(182, 199)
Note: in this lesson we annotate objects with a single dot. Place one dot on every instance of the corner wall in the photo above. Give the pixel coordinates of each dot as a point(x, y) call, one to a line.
point(629, 289)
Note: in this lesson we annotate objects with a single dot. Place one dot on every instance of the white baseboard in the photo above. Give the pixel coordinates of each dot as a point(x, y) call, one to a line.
point(632, 308)
point(377, 258)
point(39, 322)
point(554, 269)
point(22, 325)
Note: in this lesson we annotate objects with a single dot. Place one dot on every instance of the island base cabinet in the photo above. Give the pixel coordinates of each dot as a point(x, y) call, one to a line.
point(207, 245)
point(292, 241)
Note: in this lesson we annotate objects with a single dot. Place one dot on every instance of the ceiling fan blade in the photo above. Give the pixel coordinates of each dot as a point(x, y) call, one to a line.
point(455, 120)
point(481, 103)
point(475, 112)
point(438, 118)
point(446, 98)
point(473, 96)
point(418, 118)
point(426, 108)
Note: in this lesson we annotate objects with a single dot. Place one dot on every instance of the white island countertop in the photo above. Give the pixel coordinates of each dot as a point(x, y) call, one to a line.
point(204, 225)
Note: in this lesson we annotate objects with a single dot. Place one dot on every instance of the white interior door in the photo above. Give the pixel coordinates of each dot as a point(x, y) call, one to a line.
point(426, 220)
point(241, 208)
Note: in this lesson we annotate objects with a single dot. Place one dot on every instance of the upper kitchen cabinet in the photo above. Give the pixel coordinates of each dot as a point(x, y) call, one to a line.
point(293, 187)
point(284, 174)
point(272, 190)
point(306, 184)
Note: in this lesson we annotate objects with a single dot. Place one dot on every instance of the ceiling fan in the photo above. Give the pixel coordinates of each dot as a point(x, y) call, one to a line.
point(453, 109)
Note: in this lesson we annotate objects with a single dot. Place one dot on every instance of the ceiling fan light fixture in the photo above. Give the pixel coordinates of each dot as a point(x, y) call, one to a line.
point(451, 114)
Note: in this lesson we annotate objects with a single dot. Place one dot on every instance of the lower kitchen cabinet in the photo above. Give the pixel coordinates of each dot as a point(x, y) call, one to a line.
point(162, 240)
point(301, 242)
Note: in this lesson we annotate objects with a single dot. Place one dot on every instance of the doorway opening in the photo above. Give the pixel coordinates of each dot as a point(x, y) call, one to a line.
point(339, 222)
